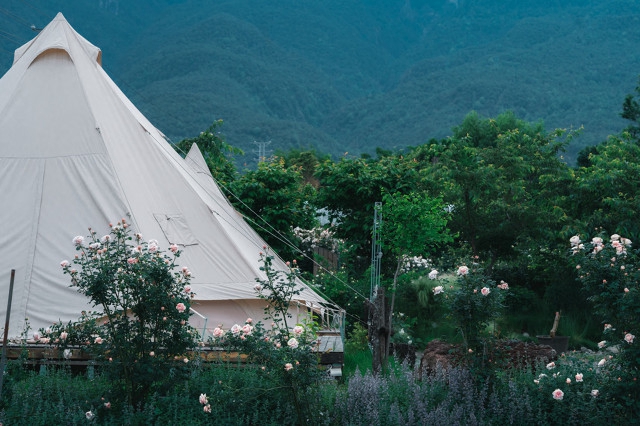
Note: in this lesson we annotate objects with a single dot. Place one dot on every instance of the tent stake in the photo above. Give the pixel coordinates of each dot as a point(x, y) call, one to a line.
point(3, 361)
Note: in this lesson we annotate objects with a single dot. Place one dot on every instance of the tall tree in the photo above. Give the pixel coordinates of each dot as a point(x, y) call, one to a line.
point(413, 224)
point(349, 190)
point(608, 194)
point(631, 112)
point(504, 180)
point(275, 199)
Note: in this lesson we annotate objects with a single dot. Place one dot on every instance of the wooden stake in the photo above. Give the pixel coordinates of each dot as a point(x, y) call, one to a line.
point(3, 360)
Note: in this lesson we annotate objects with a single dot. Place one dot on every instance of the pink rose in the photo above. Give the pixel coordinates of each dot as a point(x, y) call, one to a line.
point(98, 340)
point(173, 248)
point(132, 260)
point(64, 335)
point(558, 395)
point(298, 330)
point(107, 405)
point(293, 343)
point(246, 329)
point(257, 287)
point(203, 399)
point(78, 240)
point(187, 289)
point(249, 321)
point(181, 307)
point(463, 270)
point(207, 408)
point(64, 263)
point(218, 332)
point(485, 291)
point(579, 377)
point(236, 329)
point(595, 393)
point(629, 338)
point(288, 366)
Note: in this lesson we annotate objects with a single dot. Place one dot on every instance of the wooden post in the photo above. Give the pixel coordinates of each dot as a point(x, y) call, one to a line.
point(552, 333)
point(378, 329)
point(3, 360)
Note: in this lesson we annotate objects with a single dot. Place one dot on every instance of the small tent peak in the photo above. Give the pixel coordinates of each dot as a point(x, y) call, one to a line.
point(196, 160)
point(58, 34)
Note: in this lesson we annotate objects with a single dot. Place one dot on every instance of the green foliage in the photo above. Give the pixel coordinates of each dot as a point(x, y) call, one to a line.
point(609, 272)
point(504, 181)
point(276, 199)
point(607, 189)
point(57, 398)
point(631, 112)
point(349, 190)
point(413, 224)
point(141, 333)
point(474, 303)
point(285, 354)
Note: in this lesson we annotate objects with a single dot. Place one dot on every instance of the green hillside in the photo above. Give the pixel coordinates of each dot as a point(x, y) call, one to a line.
point(353, 75)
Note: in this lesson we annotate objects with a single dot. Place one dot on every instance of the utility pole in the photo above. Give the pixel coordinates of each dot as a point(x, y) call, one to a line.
point(378, 311)
point(262, 150)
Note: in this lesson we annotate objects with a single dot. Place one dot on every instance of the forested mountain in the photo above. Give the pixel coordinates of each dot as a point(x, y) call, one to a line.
point(353, 75)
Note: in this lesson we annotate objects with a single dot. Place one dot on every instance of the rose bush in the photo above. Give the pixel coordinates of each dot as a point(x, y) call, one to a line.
point(140, 333)
point(609, 270)
point(473, 302)
point(284, 353)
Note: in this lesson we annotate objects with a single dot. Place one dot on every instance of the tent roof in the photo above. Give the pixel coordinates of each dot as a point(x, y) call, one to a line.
point(76, 153)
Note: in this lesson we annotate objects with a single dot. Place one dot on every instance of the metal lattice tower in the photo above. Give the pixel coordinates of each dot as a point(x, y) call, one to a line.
point(376, 250)
point(262, 150)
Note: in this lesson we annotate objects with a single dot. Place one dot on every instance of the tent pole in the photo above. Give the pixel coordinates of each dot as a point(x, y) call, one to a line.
point(3, 361)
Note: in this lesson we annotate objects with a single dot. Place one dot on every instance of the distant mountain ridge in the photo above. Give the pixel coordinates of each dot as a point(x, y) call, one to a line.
point(353, 75)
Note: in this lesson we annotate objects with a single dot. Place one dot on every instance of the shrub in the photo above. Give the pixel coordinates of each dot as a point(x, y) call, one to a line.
point(141, 333)
point(284, 354)
point(609, 273)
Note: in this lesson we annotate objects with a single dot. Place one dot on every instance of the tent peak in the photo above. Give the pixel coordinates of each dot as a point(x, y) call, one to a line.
point(58, 34)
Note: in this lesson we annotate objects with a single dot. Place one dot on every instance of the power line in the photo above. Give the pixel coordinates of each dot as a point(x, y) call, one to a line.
point(15, 17)
point(11, 37)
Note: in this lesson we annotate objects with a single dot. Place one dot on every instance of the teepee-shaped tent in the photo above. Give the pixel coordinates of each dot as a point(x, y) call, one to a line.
point(76, 153)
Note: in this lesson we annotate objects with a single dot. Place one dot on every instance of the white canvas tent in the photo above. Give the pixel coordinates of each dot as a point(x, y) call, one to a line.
point(76, 153)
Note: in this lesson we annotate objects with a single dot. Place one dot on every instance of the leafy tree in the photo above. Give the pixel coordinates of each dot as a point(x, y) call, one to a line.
point(349, 190)
point(216, 152)
point(504, 181)
point(307, 161)
point(608, 189)
point(275, 199)
point(631, 112)
point(413, 224)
